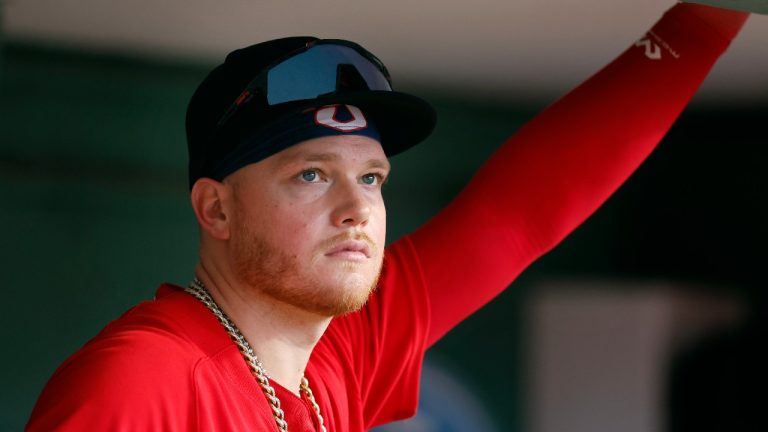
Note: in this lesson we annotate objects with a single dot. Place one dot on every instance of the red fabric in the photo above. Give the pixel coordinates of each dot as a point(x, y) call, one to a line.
point(169, 365)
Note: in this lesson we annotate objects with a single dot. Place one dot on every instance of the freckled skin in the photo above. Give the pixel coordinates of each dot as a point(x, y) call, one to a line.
point(283, 252)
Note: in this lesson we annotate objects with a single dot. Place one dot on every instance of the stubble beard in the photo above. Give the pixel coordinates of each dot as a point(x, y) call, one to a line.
point(272, 272)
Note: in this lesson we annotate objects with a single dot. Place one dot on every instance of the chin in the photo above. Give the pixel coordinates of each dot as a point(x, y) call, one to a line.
point(344, 287)
point(345, 297)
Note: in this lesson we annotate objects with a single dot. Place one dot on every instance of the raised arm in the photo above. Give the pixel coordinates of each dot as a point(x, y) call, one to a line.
point(561, 166)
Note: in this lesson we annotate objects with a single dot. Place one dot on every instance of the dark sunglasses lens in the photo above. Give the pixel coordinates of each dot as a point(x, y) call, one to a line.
point(315, 72)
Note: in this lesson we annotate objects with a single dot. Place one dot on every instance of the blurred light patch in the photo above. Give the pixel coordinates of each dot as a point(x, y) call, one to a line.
point(599, 352)
point(446, 404)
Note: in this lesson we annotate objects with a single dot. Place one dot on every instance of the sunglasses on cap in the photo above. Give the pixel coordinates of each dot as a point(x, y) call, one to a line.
point(321, 67)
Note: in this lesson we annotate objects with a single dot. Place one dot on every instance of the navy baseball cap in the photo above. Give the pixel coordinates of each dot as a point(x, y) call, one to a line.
point(261, 89)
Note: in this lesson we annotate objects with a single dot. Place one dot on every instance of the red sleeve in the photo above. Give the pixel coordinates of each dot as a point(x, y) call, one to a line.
point(558, 169)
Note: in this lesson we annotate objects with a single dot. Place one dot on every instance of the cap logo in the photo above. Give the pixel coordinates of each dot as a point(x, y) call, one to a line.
point(327, 116)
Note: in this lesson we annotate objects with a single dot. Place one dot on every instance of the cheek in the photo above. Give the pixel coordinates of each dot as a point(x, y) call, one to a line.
point(379, 228)
point(293, 227)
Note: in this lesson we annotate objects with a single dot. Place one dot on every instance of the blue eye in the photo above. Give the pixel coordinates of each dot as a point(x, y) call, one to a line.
point(309, 176)
point(370, 179)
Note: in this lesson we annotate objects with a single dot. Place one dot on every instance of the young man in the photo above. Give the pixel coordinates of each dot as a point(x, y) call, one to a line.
point(297, 318)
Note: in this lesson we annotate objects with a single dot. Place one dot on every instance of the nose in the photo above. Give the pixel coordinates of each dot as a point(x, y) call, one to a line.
point(352, 206)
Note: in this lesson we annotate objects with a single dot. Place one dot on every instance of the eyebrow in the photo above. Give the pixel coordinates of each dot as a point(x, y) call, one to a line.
point(320, 157)
point(330, 157)
point(377, 163)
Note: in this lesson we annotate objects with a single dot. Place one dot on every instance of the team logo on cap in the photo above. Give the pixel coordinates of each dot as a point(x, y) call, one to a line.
point(330, 116)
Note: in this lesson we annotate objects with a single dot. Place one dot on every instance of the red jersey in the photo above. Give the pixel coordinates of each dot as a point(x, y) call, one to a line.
point(168, 364)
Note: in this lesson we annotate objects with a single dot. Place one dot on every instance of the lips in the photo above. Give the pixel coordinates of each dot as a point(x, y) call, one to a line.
point(350, 249)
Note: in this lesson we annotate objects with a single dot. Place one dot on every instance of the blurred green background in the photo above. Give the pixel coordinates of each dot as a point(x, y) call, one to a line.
point(95, 215)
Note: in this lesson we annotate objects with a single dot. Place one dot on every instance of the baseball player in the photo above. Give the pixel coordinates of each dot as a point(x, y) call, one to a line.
point(297, 317)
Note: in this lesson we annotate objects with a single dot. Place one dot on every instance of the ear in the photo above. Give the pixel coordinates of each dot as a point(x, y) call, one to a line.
point(209, 198)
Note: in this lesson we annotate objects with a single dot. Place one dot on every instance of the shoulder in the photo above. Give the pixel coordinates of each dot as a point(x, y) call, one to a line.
point(138, 366)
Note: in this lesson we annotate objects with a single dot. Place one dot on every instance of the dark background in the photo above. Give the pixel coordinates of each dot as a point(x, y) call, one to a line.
point(94, 214)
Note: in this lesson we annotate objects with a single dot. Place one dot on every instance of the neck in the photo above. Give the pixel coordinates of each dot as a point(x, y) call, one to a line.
point(282, 335)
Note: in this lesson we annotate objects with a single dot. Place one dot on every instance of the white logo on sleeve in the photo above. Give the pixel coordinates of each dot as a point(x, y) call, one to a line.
point(652, 51)
point(653, 45)
point(326, 116)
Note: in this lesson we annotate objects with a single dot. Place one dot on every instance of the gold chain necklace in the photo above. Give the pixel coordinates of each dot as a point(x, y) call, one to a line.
point(197, 289)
